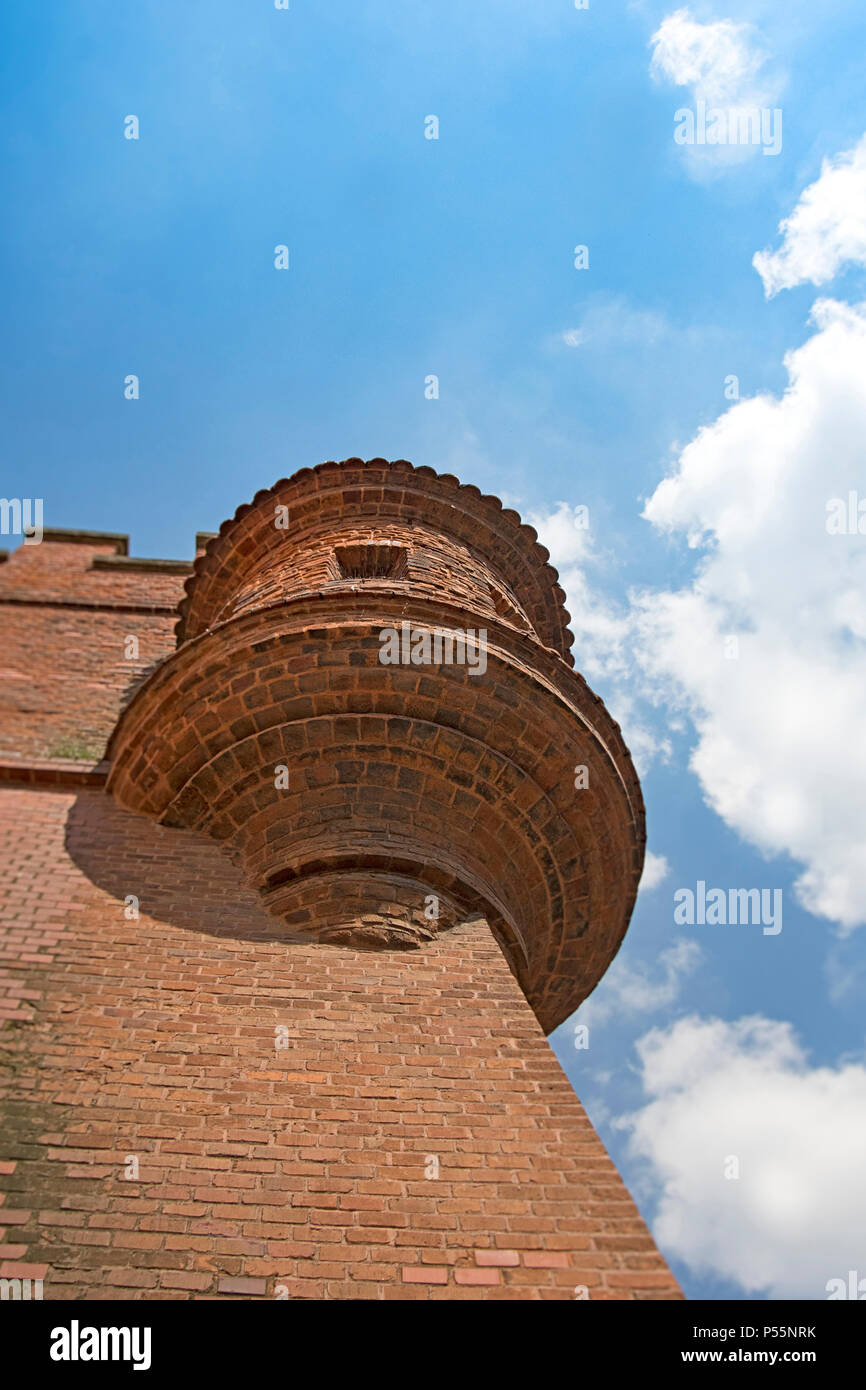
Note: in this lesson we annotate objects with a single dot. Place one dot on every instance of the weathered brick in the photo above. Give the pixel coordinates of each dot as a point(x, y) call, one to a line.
point(479, 1278)
point(249, 1287)
point(497, 1258)
point(425, 1274)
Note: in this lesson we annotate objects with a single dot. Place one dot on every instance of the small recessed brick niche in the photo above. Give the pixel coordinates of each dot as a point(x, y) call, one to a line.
point(411, 797)
point(371, 561)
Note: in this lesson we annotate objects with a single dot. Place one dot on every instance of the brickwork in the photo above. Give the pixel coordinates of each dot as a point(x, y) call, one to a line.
point(63, 669)
point(302, 1166)
point(240, 1056)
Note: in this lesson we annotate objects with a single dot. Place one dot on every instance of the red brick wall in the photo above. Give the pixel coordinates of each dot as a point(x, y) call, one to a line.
point(302, 1168)
point(63, 627)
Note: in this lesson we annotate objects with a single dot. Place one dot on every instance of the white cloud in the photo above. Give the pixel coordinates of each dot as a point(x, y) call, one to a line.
point(826, 230)
point(563, 531)
point(718, 61)
point(795, 1217)
point(722, 65)
point(655, 870)
point(633, 989)
point(610, 323)
point(780, 752)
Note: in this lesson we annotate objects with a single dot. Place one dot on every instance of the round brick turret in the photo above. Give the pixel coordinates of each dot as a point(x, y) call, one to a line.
point(372, 705)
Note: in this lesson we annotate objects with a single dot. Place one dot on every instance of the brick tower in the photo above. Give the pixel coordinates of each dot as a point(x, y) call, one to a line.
point(391, 839)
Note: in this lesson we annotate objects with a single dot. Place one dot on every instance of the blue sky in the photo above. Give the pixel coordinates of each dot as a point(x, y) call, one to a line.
point(557, 387)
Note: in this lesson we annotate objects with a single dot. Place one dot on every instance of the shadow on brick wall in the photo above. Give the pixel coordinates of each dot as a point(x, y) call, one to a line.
point(177, 876)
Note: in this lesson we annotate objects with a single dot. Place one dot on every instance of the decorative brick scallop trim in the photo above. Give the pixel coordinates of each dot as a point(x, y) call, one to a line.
point(357, 487)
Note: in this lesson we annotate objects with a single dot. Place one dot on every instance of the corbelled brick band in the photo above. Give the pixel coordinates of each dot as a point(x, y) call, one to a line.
point(246, 1057)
